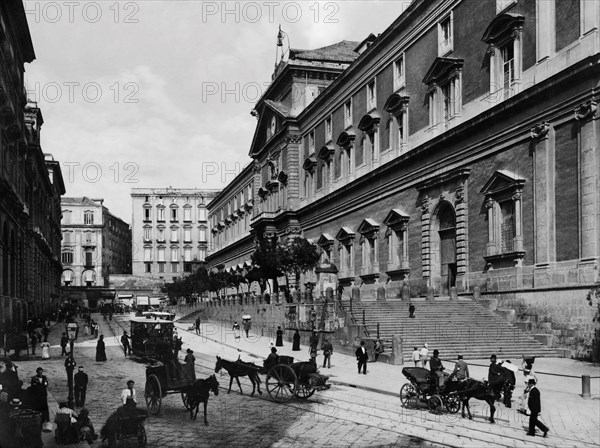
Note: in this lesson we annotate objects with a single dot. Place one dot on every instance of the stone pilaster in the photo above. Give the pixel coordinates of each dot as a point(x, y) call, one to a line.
point(462, 243)
point(426, 239)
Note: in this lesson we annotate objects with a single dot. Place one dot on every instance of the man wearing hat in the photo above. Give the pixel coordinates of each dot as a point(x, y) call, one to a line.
point(424, 355)
point(436, 367)
point(39, 389)
point(81, 383)
point(535, 407)
point(125, 342)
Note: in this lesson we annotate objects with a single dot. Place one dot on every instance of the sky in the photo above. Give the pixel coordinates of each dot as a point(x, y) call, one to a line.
point(139, 94)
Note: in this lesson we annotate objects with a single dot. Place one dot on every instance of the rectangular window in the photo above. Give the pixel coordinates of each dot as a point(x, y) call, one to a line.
point(89, 258)
point(201, 214)
point(174, 215)
point(147, 214)
point(445, 32)
point(187, 235)
point(89, 238)
point(147, 254)
point(160, 214)
point(399, 79)
point(508, 67)
point(67, 257)
point(174, 267)
point(328, 129)
point(88, 218)
point(311, 142)
point(431, 103)
point(202, 254)
point(401, 128)
point(161, 235)
point(174, 254)
point(507, 226)
point(161, 254)
point(174, 236)
point(187, 267)
point(187, 214)
point(147, 233)
point(148, 267)
point(161, 267)
point(348, 113)
point(202, 236)
point(187, 254)
point(371, 96)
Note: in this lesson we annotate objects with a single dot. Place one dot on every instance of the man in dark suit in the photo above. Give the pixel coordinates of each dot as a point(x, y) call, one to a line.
point(535, 408)
point(362, 357)
point(81, 383)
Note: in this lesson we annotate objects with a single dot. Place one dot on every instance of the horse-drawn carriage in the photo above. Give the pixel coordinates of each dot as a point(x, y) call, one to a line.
point(126, 427)
point(169, 377)
point(285, 379)
point(423, 388)
point(149, 335)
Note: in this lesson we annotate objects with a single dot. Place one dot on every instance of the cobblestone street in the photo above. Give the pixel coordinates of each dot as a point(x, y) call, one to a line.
point(339, 417)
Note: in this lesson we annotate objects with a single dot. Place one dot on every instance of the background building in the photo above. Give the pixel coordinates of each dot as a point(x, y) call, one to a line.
point(30, 187)
point(169, 230)
point(455, 153)
point(95, 243)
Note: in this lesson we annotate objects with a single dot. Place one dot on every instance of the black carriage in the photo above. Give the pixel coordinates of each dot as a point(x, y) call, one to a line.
point(149, 334)
point(288, 379)
point(423, 388)
point(164, 378)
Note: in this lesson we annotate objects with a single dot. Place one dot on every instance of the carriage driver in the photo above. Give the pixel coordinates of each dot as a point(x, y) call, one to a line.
point(436, 367)
point(272, 359)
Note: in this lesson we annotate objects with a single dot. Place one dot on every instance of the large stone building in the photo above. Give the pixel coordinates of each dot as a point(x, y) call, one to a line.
point(95, 243)
point(31, 185)
point(169, 230)
point(456, 151)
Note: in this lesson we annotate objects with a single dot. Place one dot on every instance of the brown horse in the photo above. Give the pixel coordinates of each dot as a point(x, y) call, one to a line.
point(199, 392)
point(237, 369)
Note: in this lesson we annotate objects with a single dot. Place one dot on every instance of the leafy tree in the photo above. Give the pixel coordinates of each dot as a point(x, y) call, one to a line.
point(266, 263)
point(187, 287)
point(299, 257)
point(593, 298)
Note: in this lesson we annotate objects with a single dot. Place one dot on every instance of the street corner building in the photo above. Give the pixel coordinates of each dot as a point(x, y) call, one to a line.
point(31, 185)
point(454, 155)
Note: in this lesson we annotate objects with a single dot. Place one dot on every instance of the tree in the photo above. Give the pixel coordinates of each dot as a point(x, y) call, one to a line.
point(187, 287)
point(299, 257)
point(593, 299)
point(266, 263)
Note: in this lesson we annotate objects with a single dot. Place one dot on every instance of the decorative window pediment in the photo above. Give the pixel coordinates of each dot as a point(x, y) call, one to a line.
point(325, 241)
point(263, 192)
point(345, 235)
point(501, 27)
point(310, 163)
point(346, 138)
point(326, 152)
point(272, 185)
point(368, 228)
point(441, 69)
point(282, 177)
point(396, 104)
point(396, 219)
point(502, 181)
point(369, 122)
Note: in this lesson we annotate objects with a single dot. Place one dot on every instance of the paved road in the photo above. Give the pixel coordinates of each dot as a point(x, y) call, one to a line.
point(340, 417)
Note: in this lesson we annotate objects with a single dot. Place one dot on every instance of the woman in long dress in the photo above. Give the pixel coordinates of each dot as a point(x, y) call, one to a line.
point(279, 340)
point(101, 349)
point(45, 350)
point(296, 342)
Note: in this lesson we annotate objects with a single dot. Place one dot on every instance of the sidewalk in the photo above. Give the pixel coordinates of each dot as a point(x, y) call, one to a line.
point(573, 421)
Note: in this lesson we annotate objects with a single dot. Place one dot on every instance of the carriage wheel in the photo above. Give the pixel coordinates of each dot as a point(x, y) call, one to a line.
point(153, 394)
point(282, 383)
point(435, 404)
point(141, 435)
point(304, 392)
point(452, 404)
point(409, 396)
point(184, 398)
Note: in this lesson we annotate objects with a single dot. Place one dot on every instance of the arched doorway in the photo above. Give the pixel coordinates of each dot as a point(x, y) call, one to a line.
point(447, 235)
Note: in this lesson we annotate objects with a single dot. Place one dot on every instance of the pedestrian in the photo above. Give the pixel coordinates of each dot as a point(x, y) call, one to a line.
point(525, 395)
point(178, 345)
point(247, 326)
point(189, 357)
point(39, 393)
point(535, 407)
point(45, 350)
point(327, 352)
point(64, 340)
point(279, 340)
point(436, 367)
point(411, 310)
point(313, 347)
point(296, 342)
point(362, 357)
point(86, 329)
point(10, 380)
point(378, 349)
point(81, 383)
point(236, 328)
point(34, 341)
point(424, 355)
point(197, 325)
point(416, 357)
point(45, 333)
point(96, 328)
point(125, 342)
point(101, 349)
point(461, 369)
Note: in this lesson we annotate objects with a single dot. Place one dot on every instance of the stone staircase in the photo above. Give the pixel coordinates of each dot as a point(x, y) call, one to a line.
point(451, 326)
